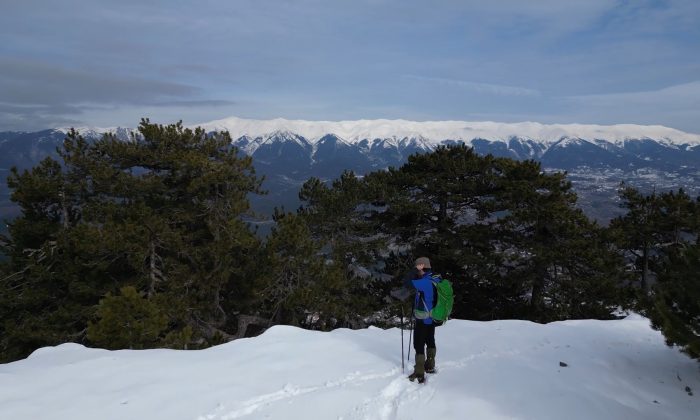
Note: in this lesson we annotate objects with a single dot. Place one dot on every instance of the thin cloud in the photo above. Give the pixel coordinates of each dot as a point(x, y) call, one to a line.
point(196, 103)
point(38, 94)
point(684, 95)
point(33, 82)
point(487, 88)
point(676, 106)
point(15, 117)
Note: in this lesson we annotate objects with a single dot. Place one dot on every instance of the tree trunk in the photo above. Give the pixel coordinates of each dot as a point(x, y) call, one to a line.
point(645, 268)
point(153, 268)
point(64, 210)
point(537, 298)
point(442, 214)
point(246, 320)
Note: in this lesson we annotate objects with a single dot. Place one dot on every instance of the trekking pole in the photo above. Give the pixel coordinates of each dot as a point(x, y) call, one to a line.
point(403, 369)
point(410, 336)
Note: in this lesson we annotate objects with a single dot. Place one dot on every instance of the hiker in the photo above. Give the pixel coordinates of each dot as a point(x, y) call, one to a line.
point(419, 280)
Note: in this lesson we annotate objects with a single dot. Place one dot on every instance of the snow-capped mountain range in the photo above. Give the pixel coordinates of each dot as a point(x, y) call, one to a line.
point(288, 152)
point(251, 133)
point(382, 143)
point(435, 132)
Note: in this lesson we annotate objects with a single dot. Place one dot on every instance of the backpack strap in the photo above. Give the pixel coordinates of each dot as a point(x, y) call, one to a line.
point(425, 305)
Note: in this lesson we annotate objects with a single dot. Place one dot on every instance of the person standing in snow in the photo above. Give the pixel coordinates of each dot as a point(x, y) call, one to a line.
point(419, 280)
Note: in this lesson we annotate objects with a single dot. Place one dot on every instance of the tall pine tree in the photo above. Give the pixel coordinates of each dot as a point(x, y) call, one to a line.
point(162, 214)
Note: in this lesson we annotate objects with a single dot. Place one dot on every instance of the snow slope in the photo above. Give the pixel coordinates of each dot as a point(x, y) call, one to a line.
point(487, 370)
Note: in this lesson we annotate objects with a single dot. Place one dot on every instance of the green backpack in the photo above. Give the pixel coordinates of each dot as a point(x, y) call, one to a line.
point(445, 299)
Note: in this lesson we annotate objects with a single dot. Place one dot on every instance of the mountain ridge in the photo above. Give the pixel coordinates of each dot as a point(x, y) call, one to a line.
point(436, 132)
point(432, 132)
point(284, 154)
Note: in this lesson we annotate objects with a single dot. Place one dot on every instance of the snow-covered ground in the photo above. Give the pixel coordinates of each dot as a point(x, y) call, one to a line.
point(486, 370)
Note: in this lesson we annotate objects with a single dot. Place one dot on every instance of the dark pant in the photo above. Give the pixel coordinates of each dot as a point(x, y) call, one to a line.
point(423, 335)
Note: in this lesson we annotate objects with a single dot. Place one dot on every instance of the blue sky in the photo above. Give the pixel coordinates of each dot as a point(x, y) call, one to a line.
point(107, 63)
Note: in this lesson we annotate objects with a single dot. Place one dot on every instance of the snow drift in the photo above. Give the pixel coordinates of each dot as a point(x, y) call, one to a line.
point(486, 370)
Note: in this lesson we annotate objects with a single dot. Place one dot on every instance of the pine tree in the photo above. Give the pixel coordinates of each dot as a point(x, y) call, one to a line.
point(127, 321)
point(300, 285)
point(677, 224)
point(661, 231)
point(339, 216)
point(434, 205)
point(676, 303)
point(653, 226)
point(36, 282)
point(555, 251)
point(637, 231)
point(161, 213)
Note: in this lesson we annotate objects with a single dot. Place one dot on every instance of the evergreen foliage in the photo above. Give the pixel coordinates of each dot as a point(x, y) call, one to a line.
point(299, 285)
point(552, 250)
point(127, 321)
point(506, 233)
point(161, 214)
point(660, 235)
point(653, 225)
point(675, 307)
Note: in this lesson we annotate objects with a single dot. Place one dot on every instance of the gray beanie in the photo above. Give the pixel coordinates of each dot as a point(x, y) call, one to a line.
point(423, 260)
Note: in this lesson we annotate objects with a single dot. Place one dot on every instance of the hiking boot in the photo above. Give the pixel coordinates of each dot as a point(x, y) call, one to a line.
point(430, 361)
point(418, 369)
point(421, 378)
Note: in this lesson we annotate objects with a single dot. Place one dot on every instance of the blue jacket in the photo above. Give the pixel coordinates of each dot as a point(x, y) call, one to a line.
point(424, 293)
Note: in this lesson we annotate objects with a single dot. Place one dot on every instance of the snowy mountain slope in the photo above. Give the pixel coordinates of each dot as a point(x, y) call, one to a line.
point(435, 132)
point(121, 133)
point(487, 370)
point(431, 133)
